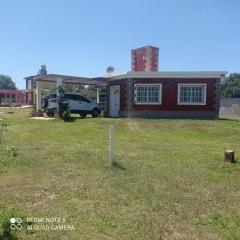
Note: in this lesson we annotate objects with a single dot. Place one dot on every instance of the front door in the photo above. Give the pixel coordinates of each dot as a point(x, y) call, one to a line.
point(114, 100)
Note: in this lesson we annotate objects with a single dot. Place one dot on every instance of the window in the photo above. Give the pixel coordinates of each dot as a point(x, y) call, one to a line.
point(148, 93)
point(52, 96)
point(71, 97)
point(76, 97)
point(82, 99)
point(192, 94)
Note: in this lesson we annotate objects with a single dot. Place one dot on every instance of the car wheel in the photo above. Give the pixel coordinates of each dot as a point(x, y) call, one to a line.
point(83, 115)
point(95, 112)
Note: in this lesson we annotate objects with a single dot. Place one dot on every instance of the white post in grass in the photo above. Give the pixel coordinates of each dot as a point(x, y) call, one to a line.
point(111, 144)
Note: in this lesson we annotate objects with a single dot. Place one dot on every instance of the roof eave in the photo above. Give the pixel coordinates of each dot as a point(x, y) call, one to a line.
point(202, 74)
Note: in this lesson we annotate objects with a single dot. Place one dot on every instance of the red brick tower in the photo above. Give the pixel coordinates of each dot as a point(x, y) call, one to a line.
point(145, 59)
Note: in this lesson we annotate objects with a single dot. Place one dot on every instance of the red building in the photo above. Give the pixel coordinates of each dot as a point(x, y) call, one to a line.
point(15, 97)
point(146, 92)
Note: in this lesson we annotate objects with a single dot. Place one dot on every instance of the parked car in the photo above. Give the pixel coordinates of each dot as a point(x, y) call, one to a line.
point(77, 104)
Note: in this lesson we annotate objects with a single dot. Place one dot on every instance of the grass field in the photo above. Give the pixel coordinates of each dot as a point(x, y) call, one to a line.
point(169, 182)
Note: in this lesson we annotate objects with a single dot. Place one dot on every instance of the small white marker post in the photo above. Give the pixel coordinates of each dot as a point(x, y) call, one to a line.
point(111, 144)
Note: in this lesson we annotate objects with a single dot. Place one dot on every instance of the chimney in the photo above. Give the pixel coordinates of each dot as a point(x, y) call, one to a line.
point(145, 59)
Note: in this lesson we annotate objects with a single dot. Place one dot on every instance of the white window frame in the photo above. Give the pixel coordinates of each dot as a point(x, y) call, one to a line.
point(194, 85)
point(148, 85)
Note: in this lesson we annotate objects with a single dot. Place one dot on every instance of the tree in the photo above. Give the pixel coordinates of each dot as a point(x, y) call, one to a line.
point(88, 91)
point(230, 87)
point(63, 105)
point(6, 83)
point(74, 88)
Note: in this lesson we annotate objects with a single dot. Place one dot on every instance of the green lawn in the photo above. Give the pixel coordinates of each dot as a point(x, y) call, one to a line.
point(170, 181)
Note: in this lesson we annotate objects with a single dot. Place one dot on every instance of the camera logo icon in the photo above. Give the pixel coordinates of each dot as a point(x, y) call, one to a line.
point(16, 223)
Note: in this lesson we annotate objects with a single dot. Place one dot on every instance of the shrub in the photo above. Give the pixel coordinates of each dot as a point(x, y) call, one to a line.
point(3, 128)
point(34, 110)
point(6, 214)
point(63, 105)
point(12, 151)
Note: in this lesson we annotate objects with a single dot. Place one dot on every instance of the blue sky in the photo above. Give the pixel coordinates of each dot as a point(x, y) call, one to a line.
point(82, 38)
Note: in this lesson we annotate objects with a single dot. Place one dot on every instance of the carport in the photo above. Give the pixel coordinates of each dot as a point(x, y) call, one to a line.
point(58, 80)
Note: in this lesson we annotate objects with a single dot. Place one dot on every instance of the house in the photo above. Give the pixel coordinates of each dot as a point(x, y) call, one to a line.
point(145, 91)
point(149, 93)
point(15, 97)
point(164, 95)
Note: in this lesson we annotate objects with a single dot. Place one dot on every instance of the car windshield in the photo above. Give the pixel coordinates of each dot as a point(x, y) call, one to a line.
point(76, 97)
point(70, 96)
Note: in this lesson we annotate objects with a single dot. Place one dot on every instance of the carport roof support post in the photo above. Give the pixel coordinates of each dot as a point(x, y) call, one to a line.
point(38, 95)
point(98, 90)
point(58, 84)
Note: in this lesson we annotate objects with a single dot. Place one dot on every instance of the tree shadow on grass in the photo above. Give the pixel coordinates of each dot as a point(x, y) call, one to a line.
point(70, 119)
point(75, 118)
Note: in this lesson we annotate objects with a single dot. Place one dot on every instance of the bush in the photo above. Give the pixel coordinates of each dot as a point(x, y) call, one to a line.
point(6, 214)
point(34, 110)
point(63, 105)
point(12, 151)
point(3, 128)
